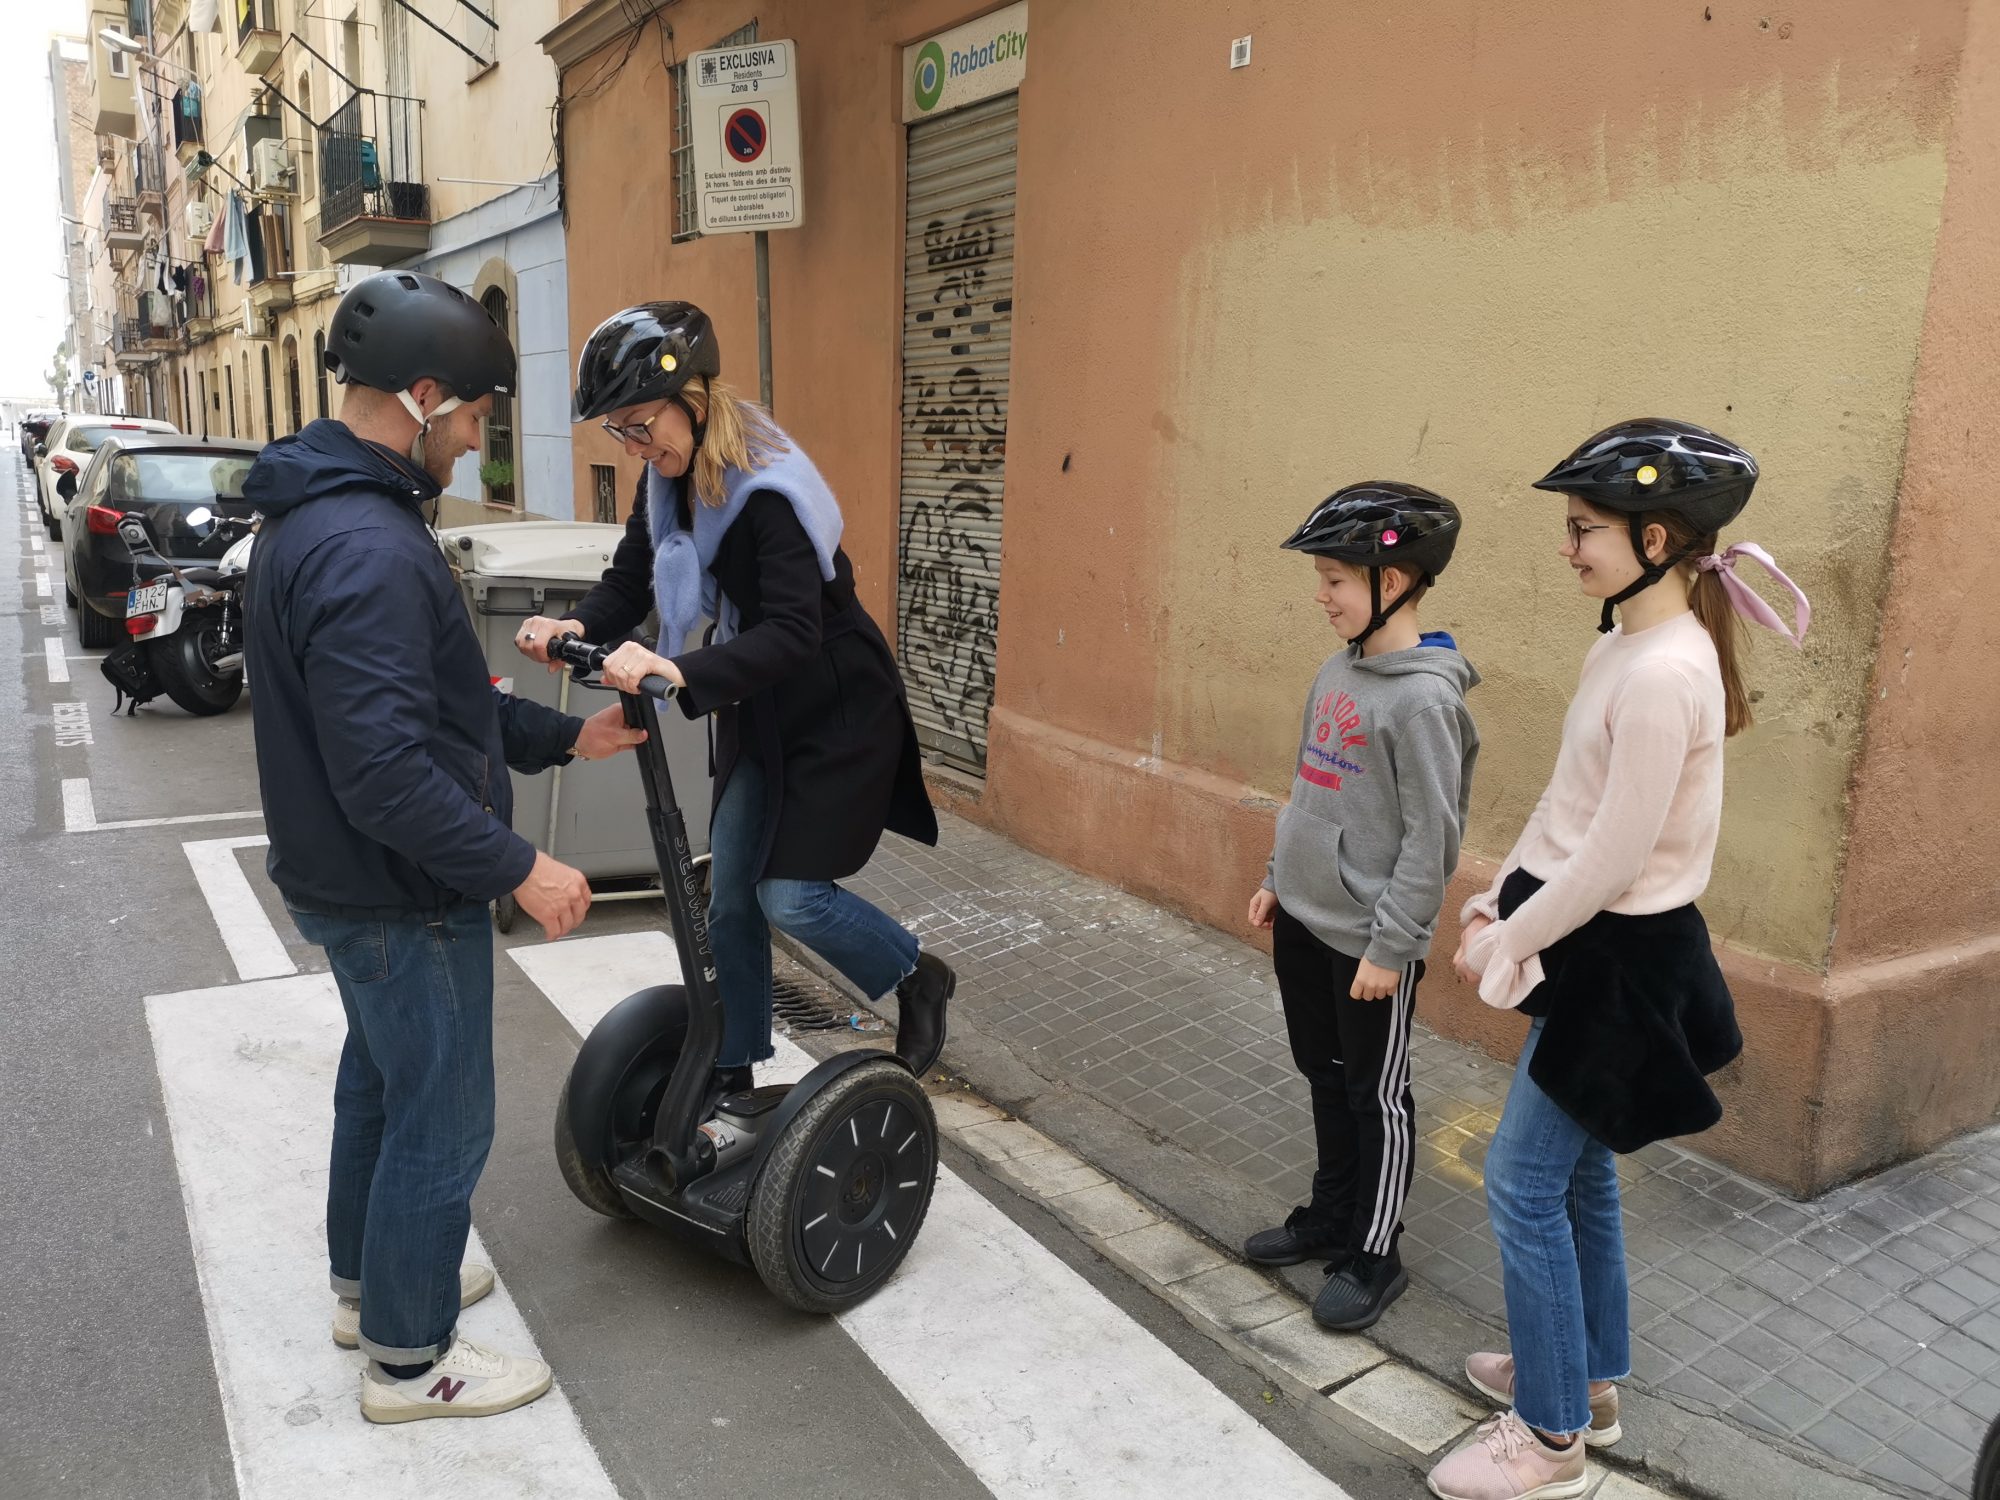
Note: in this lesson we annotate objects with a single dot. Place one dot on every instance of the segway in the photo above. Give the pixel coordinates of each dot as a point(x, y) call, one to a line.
point(821, 1185)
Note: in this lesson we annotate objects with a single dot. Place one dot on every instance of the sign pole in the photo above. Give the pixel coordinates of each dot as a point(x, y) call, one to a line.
point(763, 239)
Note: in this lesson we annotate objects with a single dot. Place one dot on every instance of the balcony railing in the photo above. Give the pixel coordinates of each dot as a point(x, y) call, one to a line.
point(258, 40)
point(187, 121)
point(375, 208)
point(149, 172)
point(121, 224)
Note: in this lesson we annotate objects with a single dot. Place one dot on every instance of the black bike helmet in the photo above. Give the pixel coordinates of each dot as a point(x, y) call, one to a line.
point(1379, 524)
point(1654, 464)
point(645, 353)
point(395, 328)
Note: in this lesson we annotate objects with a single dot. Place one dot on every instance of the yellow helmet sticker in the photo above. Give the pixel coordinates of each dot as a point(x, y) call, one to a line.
point(1647, 474)
point(668, 362)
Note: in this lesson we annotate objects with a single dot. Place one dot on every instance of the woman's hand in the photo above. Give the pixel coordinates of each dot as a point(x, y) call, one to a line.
point(624, 668)
point(535, 637)
point(1458, 960)
point(1263, 908)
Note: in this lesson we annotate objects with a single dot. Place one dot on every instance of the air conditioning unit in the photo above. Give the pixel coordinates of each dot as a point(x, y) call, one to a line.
point(200, 219)
point(254, 326)
point(271, 168)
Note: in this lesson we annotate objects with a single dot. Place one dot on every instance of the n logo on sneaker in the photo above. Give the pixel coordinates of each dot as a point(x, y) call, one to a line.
point(446, 1387)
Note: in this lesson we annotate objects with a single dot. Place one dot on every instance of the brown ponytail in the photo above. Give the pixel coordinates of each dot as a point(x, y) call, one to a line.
point(1718, 617)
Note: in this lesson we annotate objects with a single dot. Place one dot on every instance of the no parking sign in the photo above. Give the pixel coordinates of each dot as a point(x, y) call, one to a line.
point(743, 105)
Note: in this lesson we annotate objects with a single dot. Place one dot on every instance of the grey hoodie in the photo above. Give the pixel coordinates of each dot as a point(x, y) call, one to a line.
point(1378, 806)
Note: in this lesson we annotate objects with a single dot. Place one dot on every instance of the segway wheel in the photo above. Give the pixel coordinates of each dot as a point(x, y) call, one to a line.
point(592, 1185)
point(845, 1189)
point(506, 912)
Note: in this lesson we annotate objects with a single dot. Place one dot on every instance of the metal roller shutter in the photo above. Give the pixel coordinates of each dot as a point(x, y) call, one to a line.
point(958, 302)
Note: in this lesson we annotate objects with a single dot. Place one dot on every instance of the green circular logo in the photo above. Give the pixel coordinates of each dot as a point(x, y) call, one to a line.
point(930, 76)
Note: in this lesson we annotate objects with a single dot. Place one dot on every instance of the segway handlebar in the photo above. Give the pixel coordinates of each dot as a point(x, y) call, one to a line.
point(585, 658)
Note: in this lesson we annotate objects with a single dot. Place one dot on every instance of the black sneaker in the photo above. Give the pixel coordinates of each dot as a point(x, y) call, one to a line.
point(1354, 1297)
point(920, 1003)
point(1292, 1242)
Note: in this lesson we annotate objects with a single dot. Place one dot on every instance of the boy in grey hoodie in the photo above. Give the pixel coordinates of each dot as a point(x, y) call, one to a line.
point(1358, 874)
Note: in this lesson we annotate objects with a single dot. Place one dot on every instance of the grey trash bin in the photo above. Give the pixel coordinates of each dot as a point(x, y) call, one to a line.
point(591, 815)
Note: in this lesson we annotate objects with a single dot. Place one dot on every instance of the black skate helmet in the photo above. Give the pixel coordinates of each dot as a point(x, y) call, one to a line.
point(395, 328)
point(645, 353)
point(1653, 464)
point(1379, 524)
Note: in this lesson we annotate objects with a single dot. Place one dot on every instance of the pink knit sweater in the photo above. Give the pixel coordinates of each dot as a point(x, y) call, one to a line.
point(1629, 820)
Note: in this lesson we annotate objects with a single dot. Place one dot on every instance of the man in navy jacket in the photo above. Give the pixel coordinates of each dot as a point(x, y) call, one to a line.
point(383, 753)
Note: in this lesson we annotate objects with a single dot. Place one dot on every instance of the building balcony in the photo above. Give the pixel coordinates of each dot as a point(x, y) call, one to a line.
point(374, 207)
point(272, 294)
point(112, 107)
point(128, 344)
point(187, 127)
point(151, 183)
point(121, 225)
point(258, 39)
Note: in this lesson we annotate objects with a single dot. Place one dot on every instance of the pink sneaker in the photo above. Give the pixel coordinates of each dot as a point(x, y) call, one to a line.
point(1506, 1461)
point(1493, 1374)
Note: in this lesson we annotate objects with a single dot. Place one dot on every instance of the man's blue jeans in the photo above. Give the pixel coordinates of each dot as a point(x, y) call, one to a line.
point(412, 1118)
point(864, 943)
point(1552, 1193)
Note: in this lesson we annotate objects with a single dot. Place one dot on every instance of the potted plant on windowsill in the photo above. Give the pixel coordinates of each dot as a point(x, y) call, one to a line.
point(498, 477)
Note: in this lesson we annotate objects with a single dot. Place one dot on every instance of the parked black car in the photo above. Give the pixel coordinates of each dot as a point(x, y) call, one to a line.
point(35, 426)
point(161, 477)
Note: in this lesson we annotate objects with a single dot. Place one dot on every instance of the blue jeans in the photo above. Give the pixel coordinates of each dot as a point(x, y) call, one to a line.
point(412, 1118)
point(1552, 1193)
point(867, 946)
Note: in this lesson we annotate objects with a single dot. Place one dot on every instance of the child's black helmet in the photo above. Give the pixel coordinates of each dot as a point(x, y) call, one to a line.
point(1653, 464)
point(1378, 524)
point(645, 353)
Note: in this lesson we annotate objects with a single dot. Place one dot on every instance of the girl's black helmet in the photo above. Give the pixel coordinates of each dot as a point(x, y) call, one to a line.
point(1379, 524)
point(395, 328)
point(645, 353)
point(1651, 464)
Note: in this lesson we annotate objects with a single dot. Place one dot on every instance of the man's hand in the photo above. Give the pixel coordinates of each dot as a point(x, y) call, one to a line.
point(1263, 908)
point(624, 668)
point(1458, 961)
point(1373, 982)
point(554, 895)
point(605, 733)
point(535, 637)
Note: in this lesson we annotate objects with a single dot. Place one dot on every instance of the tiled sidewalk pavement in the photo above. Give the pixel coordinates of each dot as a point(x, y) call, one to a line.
point(1864, 1326)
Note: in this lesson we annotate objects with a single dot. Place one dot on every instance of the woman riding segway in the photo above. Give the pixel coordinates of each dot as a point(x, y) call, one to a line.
point(815, 752)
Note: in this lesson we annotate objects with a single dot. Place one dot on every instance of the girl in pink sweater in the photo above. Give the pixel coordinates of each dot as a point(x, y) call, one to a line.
point(1591, 929)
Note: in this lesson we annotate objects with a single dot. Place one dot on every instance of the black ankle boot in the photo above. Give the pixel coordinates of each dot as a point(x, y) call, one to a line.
point(1354, 1297)
point(920, 1001)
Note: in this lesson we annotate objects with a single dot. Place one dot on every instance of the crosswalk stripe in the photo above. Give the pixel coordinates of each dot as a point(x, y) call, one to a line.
point(1039, 1382)
point(247, 1075)
point(253, 942)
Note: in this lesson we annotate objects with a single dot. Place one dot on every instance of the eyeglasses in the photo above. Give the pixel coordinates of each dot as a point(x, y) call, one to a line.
point(633, 432)
point(1577, 530)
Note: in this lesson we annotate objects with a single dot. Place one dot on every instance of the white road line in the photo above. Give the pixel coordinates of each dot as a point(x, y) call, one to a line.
point(247, 1075)
point(1038, 1381)
point(58, 663)
point(42, 585)
point(249, 935)
point(80, 813)
point(35, 542)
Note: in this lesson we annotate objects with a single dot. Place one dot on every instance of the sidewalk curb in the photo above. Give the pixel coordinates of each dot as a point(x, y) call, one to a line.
point(1401, 1386)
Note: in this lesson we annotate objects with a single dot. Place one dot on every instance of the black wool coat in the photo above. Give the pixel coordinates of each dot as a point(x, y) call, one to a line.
point(1638, 1017)
point(807, 688)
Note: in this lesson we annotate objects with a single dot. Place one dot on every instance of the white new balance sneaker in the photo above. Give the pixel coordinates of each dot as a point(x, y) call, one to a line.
point(468, 1382)
point(474, 1282)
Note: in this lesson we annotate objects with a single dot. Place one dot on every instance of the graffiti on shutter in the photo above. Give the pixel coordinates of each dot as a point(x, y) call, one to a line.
point(958, 302)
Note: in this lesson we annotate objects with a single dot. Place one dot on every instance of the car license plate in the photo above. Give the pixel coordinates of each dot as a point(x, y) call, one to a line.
point(149, 599)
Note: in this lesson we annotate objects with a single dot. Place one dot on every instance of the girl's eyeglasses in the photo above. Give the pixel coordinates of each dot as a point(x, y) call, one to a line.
point(633, 432)
point(1578, 528)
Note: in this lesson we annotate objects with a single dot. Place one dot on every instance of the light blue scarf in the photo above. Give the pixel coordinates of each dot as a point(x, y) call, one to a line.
point(683, 587)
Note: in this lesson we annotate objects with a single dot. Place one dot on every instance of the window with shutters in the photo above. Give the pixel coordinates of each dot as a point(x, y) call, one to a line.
point(497, 473)
point(687, 216)
point(319, 370)
point(604, 493)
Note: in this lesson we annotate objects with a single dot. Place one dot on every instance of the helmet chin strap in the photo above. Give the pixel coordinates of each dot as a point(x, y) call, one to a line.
point(698, 425)
point(448, 405)
point(1378, 616)
point(1652, 574)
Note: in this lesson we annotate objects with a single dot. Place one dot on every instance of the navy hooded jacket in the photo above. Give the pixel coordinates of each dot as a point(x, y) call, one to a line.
point(382, 747)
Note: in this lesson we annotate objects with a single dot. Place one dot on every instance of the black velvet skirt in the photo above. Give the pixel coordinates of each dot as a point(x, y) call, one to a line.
point(1638, 1017)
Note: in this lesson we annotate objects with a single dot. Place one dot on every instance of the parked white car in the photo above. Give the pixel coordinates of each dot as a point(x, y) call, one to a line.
point(65, 453)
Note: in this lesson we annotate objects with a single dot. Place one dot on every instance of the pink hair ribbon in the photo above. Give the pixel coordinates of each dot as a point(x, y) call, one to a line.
point(1746, 601)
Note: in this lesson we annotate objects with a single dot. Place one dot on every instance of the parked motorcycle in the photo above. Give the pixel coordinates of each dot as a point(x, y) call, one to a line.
point(185, 623)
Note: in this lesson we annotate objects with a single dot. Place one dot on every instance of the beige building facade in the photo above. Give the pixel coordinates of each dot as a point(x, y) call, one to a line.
point(1079, 344)
point(345, 136)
